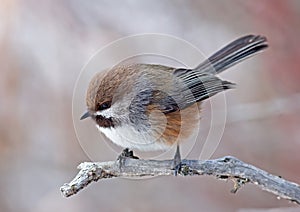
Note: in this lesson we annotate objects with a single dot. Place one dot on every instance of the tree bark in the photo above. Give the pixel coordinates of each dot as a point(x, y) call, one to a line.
point(223, 168)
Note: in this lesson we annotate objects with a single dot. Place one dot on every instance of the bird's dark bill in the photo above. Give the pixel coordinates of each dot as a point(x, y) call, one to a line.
point(85, 115)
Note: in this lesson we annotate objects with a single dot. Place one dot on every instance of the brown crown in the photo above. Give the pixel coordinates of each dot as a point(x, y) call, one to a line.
point(106, 85)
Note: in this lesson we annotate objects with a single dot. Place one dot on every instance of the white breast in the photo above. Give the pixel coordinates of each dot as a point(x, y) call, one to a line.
point(128, 137)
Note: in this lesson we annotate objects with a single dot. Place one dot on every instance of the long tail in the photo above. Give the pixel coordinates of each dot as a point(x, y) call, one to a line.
point(201, 83)
point(233, 53)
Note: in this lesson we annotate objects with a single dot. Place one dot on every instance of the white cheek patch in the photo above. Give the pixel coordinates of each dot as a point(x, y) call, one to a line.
point(108, 113)
point(118, 110)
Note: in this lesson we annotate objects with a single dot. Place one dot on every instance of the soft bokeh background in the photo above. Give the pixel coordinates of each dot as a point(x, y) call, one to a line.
point(44, 45)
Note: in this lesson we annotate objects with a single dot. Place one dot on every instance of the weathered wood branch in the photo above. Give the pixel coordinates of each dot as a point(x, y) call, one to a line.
point(223, 168)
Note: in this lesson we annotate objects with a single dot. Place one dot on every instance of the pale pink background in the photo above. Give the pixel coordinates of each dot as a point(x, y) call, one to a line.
point(44, 44)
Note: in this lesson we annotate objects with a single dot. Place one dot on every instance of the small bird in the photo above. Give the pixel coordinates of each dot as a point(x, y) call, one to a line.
point(140, 106)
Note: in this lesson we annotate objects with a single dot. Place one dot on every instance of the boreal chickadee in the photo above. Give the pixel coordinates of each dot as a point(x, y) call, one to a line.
point(139, 106)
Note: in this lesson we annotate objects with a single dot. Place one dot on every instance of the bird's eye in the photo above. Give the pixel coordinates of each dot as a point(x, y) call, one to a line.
point(104, 106)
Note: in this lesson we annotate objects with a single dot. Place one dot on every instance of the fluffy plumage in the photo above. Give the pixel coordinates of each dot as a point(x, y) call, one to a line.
point(151, 107)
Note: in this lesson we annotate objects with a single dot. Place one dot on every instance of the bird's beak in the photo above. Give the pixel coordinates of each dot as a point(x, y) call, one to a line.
point(85, 115)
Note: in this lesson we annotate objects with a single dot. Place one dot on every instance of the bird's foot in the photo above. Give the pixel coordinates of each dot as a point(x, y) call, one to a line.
point(126, 153)
point(176, 165)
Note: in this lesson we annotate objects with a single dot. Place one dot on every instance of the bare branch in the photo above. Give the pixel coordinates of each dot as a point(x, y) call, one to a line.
point(223, 168)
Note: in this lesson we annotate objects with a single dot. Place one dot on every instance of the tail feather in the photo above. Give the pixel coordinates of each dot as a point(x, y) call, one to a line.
point(233, 53)
point(201, 83)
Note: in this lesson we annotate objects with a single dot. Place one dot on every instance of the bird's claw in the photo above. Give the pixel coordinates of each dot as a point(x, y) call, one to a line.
point(126, 153)
point(176, 166)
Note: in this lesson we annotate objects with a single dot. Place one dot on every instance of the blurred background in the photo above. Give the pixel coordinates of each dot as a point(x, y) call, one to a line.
point(44, 45)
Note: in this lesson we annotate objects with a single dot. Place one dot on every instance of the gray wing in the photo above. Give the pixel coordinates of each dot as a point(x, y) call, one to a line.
point(197, 86)
point(190, 88)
